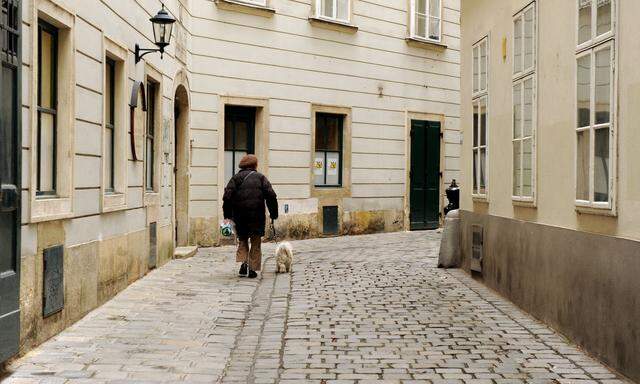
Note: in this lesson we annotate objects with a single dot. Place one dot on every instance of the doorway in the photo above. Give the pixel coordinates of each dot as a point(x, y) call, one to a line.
point(239, 137)
point(181, 166)
point(10, 177)
point(425, 175)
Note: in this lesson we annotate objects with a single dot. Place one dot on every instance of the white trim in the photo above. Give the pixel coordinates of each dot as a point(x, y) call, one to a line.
point(427, 16)
point(334, 17)
point(477, 97)
point(520, 78)
point(591, 52)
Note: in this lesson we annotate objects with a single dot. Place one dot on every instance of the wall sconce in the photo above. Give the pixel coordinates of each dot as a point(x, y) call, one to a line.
point(162, 26)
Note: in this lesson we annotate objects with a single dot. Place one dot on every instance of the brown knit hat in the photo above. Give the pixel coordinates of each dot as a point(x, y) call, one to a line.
point(249, 162)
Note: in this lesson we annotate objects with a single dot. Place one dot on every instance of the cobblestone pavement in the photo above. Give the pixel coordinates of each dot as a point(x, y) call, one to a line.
point(365, 309)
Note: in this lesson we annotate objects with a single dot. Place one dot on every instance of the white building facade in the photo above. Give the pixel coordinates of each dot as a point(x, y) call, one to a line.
point(351, 106)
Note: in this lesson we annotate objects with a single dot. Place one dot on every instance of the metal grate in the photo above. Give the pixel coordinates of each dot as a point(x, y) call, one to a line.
point(53, 290)
point(10, 31)
point(330, 220)
point(477, 248)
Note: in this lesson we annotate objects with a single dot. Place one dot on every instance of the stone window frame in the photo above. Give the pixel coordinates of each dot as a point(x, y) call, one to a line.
point(596, 43)
point(343, 190)
point(251, 7)
point(520, 77)
point(152, 195)
point(262, 138)
point(60, 205)
point(116, 200)
point(479, 95)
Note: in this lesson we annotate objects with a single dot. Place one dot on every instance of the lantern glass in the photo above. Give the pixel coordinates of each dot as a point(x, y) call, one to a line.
point(162, 34)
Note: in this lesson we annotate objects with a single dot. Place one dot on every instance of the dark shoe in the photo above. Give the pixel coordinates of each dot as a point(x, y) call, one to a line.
point(252, 274)
point(243, 270)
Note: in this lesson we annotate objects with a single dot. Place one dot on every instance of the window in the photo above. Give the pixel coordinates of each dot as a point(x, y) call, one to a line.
point(239, 137)
point(47, 108)
point(595, 21)
point(334, 9)
point(327, 165)
point(524, 103)
point(426, 22)
point(480, 121)
point(261, 3)
point(110, 134)
point(150, 158)
point(595, 102)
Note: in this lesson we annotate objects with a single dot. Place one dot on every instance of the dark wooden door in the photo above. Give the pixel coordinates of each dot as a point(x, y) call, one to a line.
point(425, 175)
point(10, 174)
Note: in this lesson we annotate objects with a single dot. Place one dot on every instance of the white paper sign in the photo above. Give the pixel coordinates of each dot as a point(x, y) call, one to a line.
point(318, 166)
point(332, 164)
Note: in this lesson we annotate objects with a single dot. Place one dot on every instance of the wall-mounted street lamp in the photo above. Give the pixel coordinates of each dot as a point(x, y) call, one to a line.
point(162, 26)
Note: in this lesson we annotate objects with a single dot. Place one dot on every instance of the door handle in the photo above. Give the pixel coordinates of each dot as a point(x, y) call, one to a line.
point(8, 197)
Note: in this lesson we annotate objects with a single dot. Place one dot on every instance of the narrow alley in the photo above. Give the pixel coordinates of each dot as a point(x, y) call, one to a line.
point(361, 309)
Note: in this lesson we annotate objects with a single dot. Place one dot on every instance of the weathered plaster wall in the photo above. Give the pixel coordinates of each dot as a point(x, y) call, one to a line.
point(584, 285)
point(298, 66)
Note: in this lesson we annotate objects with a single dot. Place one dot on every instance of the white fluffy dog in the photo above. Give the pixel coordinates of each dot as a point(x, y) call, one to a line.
point(284, 257)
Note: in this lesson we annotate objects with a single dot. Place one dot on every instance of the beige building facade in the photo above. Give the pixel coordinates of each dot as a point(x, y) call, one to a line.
point(550, 188)
point(124, 161)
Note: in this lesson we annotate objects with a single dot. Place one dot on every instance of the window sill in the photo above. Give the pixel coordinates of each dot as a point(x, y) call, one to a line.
point(525, 203)
point(240, 6)
point(597, 211)
point(425, 43)
point(332, 24)
point(112, 201)
point(49, 208)
point(480, 199)
point(151, 198)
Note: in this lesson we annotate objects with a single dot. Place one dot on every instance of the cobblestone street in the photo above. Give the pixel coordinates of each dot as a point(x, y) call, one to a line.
point(366, 309)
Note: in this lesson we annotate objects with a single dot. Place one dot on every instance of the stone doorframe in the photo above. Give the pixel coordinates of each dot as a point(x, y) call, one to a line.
point(407, 149)
point(181, 147)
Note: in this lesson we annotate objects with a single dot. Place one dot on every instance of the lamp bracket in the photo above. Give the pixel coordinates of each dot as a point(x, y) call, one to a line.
point(141, 52)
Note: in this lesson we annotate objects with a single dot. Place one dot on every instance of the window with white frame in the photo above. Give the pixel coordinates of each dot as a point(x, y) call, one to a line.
point(339, 10)
point(524, 103)
point(595, 125)
point(480, 121)
point(260, 3)
point(426, 19)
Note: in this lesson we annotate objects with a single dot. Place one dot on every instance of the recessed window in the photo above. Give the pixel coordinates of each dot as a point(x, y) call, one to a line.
point(334, 9)
point(109, 134)
point(595, 123)
point(150, 144)
point(239, 137)
point(47, 108)
point(524, 105)
point(327, 165)
point(426, 19)
point(480, 120)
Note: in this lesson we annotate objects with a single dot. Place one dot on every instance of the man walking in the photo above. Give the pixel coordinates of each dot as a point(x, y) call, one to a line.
point(243, 202)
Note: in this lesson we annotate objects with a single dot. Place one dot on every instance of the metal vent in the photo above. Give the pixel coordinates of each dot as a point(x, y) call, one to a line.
point(153, 245)
point(53, 289)
point(477, 248)
point(330, 220)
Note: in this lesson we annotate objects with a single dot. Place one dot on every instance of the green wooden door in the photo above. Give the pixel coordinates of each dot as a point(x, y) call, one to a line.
point(425, 175)
point(10, 174)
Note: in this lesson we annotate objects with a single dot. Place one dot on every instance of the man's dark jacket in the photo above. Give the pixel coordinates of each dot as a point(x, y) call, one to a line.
point(244, 200)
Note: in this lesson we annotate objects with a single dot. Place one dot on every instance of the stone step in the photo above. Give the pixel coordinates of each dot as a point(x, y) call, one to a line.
point(185, 252)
